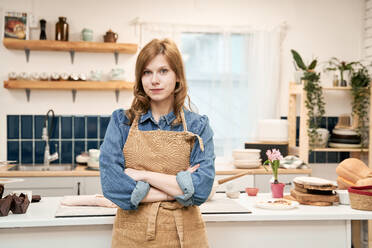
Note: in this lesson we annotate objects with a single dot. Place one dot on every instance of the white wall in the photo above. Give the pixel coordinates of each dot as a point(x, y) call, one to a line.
point(318, 28)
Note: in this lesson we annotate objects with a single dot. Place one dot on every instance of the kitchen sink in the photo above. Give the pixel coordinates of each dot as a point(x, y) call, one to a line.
point(52, 167)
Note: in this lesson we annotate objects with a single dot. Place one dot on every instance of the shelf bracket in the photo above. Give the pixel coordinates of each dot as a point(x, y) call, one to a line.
point(117, 93)
point(73, 95)
point(28, 93)
point(116, 55)
point(27, 52)
point(72, 56)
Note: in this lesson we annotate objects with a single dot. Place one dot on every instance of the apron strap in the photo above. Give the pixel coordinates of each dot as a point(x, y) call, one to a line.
point(135, 121)
point(183, 120)
point(201, 144)
point(176, 208)
point(185, 129)
point(179, 224)
point(151, 223)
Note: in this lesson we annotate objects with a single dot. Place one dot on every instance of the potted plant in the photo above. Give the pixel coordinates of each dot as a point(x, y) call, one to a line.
point(360, 91)
point(273, 159)
point(314, 102)
point(335, 64)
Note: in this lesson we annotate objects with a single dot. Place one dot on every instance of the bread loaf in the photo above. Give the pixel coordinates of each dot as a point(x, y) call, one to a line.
point(343, 183)
point(364, 182)
point(353, 169)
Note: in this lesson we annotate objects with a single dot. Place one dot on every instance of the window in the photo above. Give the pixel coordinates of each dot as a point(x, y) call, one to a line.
point(217, 74)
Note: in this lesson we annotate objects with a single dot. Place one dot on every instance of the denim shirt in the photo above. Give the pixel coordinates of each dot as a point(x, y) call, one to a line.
point(126, 192)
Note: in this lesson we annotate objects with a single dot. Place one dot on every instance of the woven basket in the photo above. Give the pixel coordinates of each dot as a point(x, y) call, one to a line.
point(361, 197)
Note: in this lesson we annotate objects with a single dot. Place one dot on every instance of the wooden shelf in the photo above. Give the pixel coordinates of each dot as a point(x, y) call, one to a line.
point(29, 85)
point(330, 149)
point(68, 85)
point(297, 88)
point(77, 46)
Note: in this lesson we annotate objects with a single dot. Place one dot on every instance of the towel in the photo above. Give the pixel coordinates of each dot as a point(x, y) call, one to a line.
point(87, 200)
point(292, 162)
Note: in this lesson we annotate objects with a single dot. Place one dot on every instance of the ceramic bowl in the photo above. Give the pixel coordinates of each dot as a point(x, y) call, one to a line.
point(251, 191)
point(247, 164)
point(246, 154)
point(93, 163)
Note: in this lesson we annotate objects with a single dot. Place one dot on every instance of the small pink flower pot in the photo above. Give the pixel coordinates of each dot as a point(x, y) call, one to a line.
point(277, 190)
point(251, 191)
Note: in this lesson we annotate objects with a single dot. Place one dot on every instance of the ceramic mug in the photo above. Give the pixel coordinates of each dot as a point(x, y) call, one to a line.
point(12, 76)
point(117, 74)
point(95, 75)
point(87, 34)
point(94, 154)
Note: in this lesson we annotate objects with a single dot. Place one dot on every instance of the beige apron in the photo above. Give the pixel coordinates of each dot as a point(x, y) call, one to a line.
point(159, 224)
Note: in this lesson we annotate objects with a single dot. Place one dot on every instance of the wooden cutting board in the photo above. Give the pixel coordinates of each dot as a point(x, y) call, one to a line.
point(306, 197)
point(83, 211)
point(219, 204)
point(289, 197)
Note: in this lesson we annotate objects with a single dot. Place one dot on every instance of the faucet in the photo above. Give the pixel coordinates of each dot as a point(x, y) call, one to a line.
point(45, 136)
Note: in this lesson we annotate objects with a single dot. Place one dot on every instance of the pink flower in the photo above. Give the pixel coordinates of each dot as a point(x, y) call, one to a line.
point(274, 155)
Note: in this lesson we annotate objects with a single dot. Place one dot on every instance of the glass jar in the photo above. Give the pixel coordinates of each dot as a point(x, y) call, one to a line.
point(62, 29)
point(336, 82)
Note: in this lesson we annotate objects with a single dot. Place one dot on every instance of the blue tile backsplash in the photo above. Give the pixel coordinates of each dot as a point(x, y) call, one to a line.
point(70, 136)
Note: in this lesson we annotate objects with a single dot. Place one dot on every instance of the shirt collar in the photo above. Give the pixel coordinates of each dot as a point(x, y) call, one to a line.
point(169, 118)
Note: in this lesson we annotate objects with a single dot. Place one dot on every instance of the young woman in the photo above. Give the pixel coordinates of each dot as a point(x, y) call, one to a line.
point(157, 158)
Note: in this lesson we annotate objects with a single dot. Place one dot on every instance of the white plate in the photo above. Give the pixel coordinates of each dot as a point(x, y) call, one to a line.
point(10, 180)
point(341, 145)
point(344, 131)
point(268, 204)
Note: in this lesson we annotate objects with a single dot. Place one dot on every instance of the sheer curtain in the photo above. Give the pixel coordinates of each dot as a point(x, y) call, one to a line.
point(233, 76)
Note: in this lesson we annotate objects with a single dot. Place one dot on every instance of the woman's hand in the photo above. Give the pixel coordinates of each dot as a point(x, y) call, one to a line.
point(193, 169)
point(136, 175)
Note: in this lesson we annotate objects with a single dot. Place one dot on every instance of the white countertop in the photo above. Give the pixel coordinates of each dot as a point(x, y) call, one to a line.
point(42, 214)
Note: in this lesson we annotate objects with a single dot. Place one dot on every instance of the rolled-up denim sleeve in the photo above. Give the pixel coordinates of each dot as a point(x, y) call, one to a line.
point(197, 186)
point(184, 180)
point(116, 185)
point(139, 192)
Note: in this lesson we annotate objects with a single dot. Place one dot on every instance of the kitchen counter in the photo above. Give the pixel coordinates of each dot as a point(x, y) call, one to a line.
point(305, 226)
point(81, 171)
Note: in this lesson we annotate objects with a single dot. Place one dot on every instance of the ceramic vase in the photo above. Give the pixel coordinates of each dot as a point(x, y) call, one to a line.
point(277, 190)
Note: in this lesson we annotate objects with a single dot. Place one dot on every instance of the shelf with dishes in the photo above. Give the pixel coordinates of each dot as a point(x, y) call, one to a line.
point(344, 137)
point(70, 46)
point(28, 85)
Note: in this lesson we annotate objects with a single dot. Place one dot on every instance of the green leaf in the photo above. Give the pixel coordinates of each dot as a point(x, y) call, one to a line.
point(313, 64)
point(300, 63)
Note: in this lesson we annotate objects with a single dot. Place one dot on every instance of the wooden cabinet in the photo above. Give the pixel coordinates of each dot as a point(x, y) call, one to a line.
point(57, 186)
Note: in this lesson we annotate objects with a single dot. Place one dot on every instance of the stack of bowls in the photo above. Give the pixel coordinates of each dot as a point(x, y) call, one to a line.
point(246, 158)
point(344, 138)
